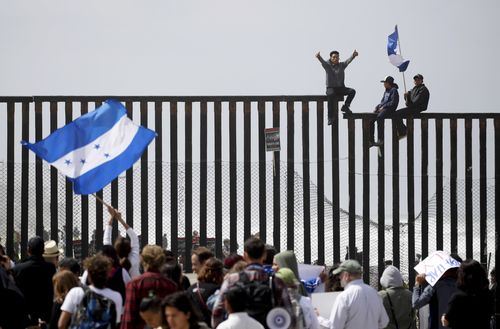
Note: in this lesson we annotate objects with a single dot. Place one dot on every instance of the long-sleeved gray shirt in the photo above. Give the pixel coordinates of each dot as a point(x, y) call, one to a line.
point(335, 72)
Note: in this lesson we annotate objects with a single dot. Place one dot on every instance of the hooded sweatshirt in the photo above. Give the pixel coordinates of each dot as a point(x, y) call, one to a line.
point(287, 259)
point(396, 299)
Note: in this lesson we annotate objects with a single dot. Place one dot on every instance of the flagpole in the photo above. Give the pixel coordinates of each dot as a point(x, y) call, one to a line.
point(101, 200)
point(401, 53)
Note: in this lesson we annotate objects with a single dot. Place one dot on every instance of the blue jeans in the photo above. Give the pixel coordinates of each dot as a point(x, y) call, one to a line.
point(382, 115)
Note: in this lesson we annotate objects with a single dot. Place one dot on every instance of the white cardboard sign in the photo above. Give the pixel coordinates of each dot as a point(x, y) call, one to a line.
point(435, 265)
point(323, 302)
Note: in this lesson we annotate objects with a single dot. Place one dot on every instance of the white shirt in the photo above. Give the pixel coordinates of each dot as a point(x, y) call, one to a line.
point(309, 315)
point(358, 306)
point(75, 296)
point(240, 320)
point(133, 257)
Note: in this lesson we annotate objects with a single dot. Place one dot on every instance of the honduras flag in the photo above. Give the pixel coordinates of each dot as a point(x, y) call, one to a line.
point(395, 53)
point(95, 148)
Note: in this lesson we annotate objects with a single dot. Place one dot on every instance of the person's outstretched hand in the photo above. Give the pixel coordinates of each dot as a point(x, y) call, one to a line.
point(355, 53)
point(420, 279)
point(318, 55)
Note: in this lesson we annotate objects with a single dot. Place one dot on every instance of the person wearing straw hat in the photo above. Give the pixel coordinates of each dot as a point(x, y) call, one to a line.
point(51, 252)
point(359, 305)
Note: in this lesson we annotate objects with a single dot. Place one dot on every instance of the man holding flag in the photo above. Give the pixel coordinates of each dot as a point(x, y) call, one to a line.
point(335, 81)
point(416, 99)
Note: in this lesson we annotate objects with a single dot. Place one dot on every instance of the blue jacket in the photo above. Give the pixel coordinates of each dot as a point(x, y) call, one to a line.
point(390, 99)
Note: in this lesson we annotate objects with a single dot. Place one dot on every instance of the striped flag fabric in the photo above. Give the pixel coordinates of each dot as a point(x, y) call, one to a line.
point(394, 52)
point(94, 149)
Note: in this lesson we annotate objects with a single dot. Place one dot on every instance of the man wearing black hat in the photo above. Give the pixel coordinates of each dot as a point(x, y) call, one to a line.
point(417, 100)
point(34, 279)
point(386, 108)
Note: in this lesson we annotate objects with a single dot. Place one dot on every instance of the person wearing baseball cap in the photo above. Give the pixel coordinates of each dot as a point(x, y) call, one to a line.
point(384, 109)
point(359, 305)
point(417, 101)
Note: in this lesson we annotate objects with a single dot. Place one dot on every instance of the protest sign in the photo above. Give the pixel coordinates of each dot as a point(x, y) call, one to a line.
point(323, 302)
point(435, 265)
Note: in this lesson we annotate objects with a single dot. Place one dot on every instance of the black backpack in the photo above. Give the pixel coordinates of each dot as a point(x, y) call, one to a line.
point(94, 312)
point(260, 297)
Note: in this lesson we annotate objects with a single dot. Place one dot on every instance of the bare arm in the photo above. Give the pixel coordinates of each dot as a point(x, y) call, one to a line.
point(64, 320)
point(107, 230)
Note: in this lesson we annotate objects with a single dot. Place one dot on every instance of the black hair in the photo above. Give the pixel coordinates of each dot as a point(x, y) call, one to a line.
point(110, 251)
point(237, 298)
point(36, 246)
point(169, 255)
point(173, 271)
point(203, 254)
point(150, 303)
point(270, 253)
point(182, 302)
point(471, 277)
point(71, 264)
point(255, 248)
point(334, 52)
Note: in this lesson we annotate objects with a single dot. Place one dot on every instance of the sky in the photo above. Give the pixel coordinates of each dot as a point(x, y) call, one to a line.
point(258, 47)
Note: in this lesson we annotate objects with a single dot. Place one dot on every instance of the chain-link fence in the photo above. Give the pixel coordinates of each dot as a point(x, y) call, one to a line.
point(299, 246)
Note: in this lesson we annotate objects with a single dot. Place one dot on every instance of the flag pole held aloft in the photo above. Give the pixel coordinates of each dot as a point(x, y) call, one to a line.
point(94, 149)
point(394, 53)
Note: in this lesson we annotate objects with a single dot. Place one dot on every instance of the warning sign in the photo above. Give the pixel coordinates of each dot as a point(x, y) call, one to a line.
point(272, 139)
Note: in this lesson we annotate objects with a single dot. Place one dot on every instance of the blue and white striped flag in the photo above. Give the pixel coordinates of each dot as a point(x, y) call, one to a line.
point(95, 148)
point(394, 52)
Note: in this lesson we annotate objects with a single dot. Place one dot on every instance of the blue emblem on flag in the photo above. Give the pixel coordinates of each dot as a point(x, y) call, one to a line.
point(394, 52)
point(95, 148)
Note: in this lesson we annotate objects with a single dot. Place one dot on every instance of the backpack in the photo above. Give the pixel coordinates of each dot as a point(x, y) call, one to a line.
point(297, 310)
point(260, 297)
point(95, 311)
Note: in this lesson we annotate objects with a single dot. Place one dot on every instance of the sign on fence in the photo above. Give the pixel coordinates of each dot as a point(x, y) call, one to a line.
point(272, 139)
point(435, 265)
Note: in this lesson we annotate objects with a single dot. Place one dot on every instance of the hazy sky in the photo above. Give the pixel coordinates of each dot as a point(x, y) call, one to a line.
point(231, 47)
point(258, 47)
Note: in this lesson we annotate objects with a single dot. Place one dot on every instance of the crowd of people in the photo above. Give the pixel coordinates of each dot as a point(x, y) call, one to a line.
point(122, 288)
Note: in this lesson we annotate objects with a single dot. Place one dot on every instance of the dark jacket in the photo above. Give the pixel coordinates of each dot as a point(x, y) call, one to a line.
point(418, 98)
point(437, 297)
point(34, 279)
point(199, 293)
point(390, 99)
point(470, 310)
point(12, 304)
